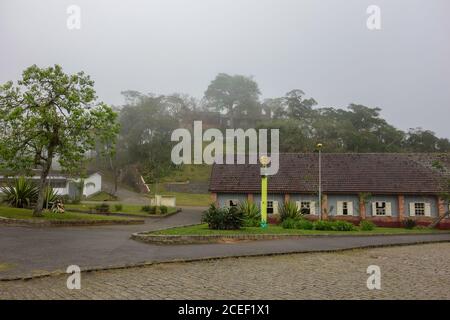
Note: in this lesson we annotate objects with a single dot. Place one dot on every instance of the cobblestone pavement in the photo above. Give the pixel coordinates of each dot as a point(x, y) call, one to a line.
point(407, 272)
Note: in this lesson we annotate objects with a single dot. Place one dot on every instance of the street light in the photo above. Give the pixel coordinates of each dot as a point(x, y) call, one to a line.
point(264, 160)
point(319, 147)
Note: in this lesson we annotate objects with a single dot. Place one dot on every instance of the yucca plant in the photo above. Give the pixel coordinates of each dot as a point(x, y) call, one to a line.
point(251, 214)
point(289, 210)
point(50, 196)
point(21, 193)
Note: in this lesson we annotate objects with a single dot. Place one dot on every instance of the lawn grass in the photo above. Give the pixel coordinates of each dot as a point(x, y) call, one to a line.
point(202, 229)
point(133, 209)
point(101, 196)
point(17, 213)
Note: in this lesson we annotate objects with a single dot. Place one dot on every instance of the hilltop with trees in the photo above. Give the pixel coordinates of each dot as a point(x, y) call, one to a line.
point(233, 101)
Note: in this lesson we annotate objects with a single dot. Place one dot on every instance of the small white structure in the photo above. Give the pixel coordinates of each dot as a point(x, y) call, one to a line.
point(66, 185)
point(159, 200)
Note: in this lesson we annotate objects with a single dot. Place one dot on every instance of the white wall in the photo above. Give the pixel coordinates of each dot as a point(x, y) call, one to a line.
point(90, 189)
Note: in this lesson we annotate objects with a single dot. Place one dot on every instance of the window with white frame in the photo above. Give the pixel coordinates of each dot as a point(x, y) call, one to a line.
point(380, 208)
point(419, 208)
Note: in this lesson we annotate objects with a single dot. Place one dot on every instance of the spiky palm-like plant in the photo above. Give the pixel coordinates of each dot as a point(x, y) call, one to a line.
point(251, 214)
point(50, 196)
point(21, 193)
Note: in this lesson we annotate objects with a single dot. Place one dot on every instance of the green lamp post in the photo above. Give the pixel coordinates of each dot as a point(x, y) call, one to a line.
point(264, 160)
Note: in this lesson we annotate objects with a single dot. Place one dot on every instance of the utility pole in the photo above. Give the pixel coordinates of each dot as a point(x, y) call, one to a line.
point(319, 147)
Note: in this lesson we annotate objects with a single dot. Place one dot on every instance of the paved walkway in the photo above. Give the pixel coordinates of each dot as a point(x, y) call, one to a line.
point(409, 272)
point(28, 251)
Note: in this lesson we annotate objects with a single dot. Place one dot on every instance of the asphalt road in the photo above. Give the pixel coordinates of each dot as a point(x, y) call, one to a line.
point(31, 251)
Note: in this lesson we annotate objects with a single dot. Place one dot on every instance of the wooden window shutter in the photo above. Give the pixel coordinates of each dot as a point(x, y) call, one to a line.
point(339, 209)
point(412, 209)
point(275, 207)
point(388, 209)
point(350, 208)
point(427, 209)
point(312, 207)
point(374, 208)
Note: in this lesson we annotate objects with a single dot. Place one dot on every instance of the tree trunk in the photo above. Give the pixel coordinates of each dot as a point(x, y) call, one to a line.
point(40, 202)
point(438, 220)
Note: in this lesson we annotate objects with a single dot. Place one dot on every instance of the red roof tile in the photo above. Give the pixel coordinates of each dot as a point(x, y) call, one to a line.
point(341, 173)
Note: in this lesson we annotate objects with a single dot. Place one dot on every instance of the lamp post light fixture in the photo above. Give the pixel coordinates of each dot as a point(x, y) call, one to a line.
point(319, 147)
point(264, 160)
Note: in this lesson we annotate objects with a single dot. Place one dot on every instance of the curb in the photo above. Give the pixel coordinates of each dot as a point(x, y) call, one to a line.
point(214, 258)
point(205, 239)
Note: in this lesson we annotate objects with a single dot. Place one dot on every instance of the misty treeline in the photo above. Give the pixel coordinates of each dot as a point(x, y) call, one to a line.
point(147, 121)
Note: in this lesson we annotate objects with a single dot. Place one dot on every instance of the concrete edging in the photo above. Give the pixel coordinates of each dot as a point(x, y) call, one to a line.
point(204, 239)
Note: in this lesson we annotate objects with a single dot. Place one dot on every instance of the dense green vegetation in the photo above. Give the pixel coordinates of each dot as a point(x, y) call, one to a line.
point(233, 101)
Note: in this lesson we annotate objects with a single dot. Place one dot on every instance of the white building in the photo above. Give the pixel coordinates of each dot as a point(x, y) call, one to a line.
point(66, 185)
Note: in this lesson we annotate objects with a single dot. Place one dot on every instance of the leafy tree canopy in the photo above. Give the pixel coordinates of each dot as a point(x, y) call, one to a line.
point(48, 115)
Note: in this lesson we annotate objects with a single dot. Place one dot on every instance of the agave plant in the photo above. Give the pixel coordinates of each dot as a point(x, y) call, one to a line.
point(50, 196)
point(289, 210)
point(251, 214)
point(21, 193)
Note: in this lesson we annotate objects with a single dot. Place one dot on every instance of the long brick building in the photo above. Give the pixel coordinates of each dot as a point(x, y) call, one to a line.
point(382, 187)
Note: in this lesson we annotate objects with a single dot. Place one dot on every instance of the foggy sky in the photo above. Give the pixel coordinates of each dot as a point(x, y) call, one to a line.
point(320, 46)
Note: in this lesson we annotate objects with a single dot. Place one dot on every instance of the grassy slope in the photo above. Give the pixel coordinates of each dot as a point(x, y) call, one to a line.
point(16, 213)
point(202, 229)
point(190, 172)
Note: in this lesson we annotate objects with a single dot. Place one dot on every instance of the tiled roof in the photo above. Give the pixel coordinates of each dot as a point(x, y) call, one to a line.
point(341, 173)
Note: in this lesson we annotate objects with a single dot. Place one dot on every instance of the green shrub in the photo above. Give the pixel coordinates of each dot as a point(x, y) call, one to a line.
point(366, 225)
point(118, 207)
point(304, 224)
point(289, 223)
point(343, 226)
point(149, 209)
point(223, 218)
point(102, 208)
point(409, 223)
point(163, 209)
point(250, 213)
point(20, 193)
point(289, 210)
point(323, 225)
